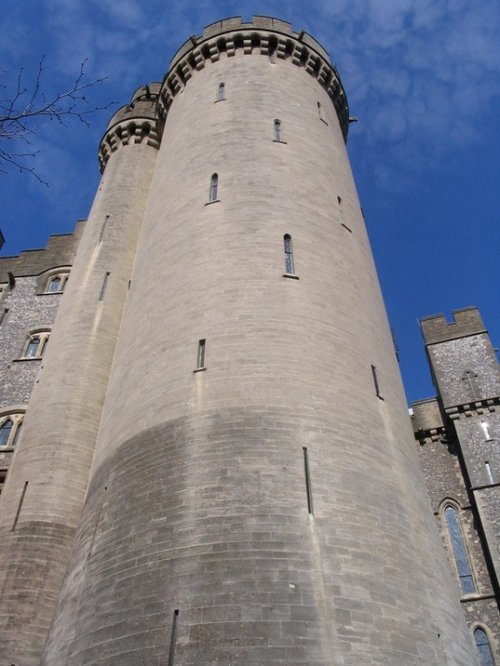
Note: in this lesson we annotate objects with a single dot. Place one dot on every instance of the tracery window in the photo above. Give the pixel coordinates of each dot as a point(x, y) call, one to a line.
point(56, 282)
point(483, 647)
point(35, 344)
point(459, 551)
point(10, 429)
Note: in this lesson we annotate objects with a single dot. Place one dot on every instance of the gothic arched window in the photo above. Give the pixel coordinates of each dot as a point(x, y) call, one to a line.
point(35, 344)
point(32, 347)
point(10, 429)
point(483, 647)
point(6, 431)
point(56, 282)
point(459, 551)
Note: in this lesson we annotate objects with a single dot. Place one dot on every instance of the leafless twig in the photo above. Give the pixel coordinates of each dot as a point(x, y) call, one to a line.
point(21, 112)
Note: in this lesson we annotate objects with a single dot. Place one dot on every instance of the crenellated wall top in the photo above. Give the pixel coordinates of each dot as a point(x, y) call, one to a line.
point(257, 23)
point(142, 105)
point(465, 322)
point(265, 35)
point(135, 122)
point(142, 119)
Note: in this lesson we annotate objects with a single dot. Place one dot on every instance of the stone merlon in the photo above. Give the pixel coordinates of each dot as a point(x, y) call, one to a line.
point(257, 23)
point(466, 321)
point(427, 415)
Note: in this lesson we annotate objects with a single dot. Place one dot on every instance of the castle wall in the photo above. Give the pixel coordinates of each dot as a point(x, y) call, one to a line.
point(457, 435)
point(26, 306)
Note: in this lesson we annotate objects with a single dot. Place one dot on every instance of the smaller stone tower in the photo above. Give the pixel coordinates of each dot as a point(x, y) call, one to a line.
point(459, 432)
point(48, 478)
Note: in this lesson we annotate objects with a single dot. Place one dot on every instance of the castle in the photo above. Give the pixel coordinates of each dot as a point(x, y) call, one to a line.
point(204, 438)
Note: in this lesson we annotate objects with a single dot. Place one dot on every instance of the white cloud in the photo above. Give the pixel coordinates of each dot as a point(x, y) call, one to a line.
point(409, 66)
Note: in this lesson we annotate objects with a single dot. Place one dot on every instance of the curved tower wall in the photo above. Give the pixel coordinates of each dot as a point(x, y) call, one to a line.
point(46, 488)
point(197, 513)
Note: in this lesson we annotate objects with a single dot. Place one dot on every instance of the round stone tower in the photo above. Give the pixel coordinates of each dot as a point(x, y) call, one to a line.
point(255, 496)
point(46, 487)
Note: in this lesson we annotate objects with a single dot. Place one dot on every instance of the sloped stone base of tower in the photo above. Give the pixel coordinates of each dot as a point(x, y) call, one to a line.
point(204, 523)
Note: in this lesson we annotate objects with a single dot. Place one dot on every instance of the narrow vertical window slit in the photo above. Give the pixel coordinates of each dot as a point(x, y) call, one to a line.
point(375, 382)
point(103, 228)
point(173, 638)
point(104, 285)
point(278, 130)
point(308, 482)
point(221, 92)
point(201, 354)
point(321, 113)
point(214, 187)
point(287, 245)
point(19, 506)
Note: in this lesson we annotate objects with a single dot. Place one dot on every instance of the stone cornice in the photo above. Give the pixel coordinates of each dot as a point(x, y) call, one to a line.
point(474, 408)
point(434, 434)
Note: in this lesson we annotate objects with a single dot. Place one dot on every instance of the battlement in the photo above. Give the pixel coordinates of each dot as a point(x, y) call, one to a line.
point(466, 321)
point(263, 35)
point(60, 251)
point(142, 105)
point(427, 416)
point(133, 123)
point(234, 23)
point(142, 119)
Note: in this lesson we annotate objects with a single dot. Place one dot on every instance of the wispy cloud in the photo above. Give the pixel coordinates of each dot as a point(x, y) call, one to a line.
point(413, 67)
point(409, 67)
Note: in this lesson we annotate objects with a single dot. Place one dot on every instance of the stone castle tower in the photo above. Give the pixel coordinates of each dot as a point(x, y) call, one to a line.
point(458, 435)
point(216, 463)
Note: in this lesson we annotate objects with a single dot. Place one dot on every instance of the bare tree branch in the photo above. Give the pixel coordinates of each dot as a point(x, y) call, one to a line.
point(21, 111)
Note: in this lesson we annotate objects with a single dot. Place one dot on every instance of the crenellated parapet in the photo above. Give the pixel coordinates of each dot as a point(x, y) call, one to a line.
point(465, 322)
point(142, 120)
point(136, 122)
point(265, 36)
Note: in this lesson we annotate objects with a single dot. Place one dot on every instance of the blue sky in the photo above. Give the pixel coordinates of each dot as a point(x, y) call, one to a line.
point(422, 76)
